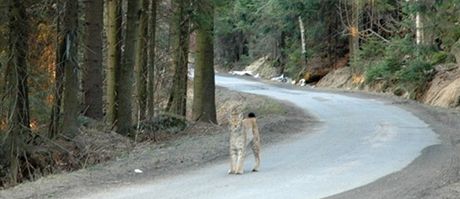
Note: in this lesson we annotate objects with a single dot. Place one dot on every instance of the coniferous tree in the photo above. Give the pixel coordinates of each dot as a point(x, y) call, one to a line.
point(113, 32)
point(17, 82)
point(181, 25)
point(55, 120)
point(151, 58)
point(204, 106)
point(69, 59)
point(141, 63)
point(354, 28)
point(92, 81)
point(125, 74)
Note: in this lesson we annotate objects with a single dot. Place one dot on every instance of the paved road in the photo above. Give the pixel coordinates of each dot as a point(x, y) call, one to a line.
point(358, 141)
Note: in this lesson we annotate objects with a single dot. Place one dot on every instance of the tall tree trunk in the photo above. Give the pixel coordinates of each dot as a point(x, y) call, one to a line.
point(204, 106)
point(151, 59)
point(92, 81)
point(141, 63)
point(418, 27)
point(279, 54)
point(70, 63)
point(423, 35)
point(124, 87)
point(19, 122)
point(54, 125)
point(332, 23)
point(303, 42)
point(113, 31)
point(354, 29)
point(178, 98)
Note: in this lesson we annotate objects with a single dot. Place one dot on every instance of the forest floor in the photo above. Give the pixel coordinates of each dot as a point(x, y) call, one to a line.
point(198, 145)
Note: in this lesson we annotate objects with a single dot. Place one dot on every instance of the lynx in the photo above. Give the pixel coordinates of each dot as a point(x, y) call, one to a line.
point(244, 132)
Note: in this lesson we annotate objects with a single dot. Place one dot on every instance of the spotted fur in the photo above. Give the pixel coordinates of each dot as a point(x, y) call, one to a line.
point(244, 133)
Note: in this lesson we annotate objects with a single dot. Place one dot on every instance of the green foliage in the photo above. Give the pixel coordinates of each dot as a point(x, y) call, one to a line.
point(400, 48)
point(440, 57)
point(400, 58)
point(372, 48)
point(293, 64)
point(381, 71)
point(416, 73)
point(444, 21)
point(369, 55)
point(401, 63)
point(440, 18)
point(269, 27)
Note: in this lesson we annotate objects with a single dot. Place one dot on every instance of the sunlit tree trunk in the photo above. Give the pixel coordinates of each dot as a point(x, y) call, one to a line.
point(418, 28)
point(354, 28)
point(178, 97)
point(124, 86)
point(17, 85)
point(92, 80)
point(70, 64)
point(303, 42)
point(54, 126)
point(204, 106)
point(151, 58)
point(424, 35)
point(113, 31)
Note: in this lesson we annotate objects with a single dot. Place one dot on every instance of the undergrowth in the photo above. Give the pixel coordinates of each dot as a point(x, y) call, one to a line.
point(400, 64)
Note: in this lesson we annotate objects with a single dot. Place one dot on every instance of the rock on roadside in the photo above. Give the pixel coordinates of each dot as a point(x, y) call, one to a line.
point(444, 90)
point(339, 78)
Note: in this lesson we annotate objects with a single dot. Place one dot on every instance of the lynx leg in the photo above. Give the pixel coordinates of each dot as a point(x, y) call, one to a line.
point(240, 162)
point(233, 161)
point(256, 150)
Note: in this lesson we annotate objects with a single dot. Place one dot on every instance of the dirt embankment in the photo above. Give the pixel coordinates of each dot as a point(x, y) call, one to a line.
point(197, 145)
point(340, 78)
point(263, 68)
point(442, 91)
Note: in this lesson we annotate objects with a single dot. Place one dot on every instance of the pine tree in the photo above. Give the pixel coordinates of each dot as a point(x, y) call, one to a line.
point(181, 24)
point(151, 58)
point(17, 87)
point(125, 74)
point(140, 66)
point(113, 11)
point(354, 28)
point(92, 81)
point(54, 124)
point(70, 64)
point(204, 106)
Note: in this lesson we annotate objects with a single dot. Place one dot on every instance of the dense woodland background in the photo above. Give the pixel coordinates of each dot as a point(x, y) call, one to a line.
point(124, 65)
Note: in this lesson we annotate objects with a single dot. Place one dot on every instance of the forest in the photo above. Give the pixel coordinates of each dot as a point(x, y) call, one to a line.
point(70, 68)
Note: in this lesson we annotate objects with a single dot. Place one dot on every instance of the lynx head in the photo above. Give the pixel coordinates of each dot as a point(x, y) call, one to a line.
point(235, 120)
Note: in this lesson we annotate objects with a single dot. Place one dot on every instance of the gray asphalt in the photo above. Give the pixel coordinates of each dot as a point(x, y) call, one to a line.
point(358, 142)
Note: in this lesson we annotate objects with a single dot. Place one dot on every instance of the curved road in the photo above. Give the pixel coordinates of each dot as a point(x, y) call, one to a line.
point(359, 141)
